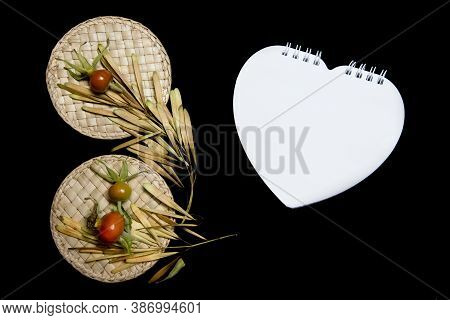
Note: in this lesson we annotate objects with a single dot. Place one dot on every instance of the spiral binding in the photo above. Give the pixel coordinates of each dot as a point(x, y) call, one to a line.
point(358, 72)
point(308, 56)
point(350, 70)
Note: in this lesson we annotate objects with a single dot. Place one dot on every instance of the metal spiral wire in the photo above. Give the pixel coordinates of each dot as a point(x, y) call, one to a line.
point(297, 54)
point(371, 76)
point(351, 70)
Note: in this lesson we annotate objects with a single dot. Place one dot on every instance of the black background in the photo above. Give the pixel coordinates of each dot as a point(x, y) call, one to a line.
point(400, 209)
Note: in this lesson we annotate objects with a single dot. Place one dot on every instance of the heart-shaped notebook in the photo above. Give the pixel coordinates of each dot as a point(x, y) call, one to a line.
point(311, 132)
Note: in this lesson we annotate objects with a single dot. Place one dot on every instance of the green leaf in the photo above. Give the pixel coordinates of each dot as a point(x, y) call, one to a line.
point(177, 268)
point(82, 59)
point(133, 176)
point(72, 66)
point(101, 175)
point(115, 87)
point(163, 271)
point(125, 241)
point(100, 55)
point(78, 57)
point(123, 171)
point(126, 215)
point(76, 76)
point(112, 174)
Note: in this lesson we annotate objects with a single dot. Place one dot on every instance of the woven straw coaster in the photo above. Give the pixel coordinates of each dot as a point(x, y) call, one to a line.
point(126, 37)
point(69, 200)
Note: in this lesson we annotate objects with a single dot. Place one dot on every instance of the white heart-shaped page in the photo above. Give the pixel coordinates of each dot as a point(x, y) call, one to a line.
point(310, 132)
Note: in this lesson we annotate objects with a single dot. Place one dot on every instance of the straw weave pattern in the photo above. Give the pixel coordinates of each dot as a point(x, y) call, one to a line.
point(69, 200)
point(126, 37)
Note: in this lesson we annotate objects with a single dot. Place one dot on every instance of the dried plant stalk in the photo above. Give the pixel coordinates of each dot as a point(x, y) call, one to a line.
point(175, 104)
point(163, 138)
point(168, 128)
point(152, 164)
point(90, 100)
point(167, 147)
point(138, 113)
point(152, 108)
point(135, 120)
point(134, 255)
point(74, 234)
point(116, 97)
point(138, 77)
point(99, 111)
point(195, 234)
point(161, 213)
point(159, 195)
point(161, 227)
point(106, 257)
point(142, 150)
point(143, 220)
point(158, 88)
point(85, 92)
point(150, 257)
point(172, 172)
point(133, 141)
point(163, 271)
point(108, 63)
point(190, 136)
point(183, 133)
point(121, 266)
point(169, 118)
point(128, 125)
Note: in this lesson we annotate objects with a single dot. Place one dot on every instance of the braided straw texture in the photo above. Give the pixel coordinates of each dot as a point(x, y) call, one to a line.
point(69, 200)
point(126, 37)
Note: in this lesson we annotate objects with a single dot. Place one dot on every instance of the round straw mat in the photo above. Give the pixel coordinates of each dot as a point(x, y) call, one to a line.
point(69, 200)
point(126, 37)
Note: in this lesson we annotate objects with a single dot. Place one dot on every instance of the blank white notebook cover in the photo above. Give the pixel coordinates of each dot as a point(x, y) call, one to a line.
point(351, 120)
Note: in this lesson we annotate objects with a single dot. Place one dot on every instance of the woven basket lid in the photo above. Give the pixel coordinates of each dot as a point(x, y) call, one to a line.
point(70, 200)
point(126, 37)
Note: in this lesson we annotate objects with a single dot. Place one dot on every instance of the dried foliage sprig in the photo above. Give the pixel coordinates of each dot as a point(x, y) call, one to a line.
point(162, 138)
